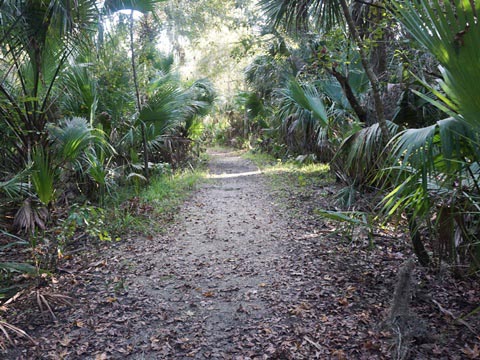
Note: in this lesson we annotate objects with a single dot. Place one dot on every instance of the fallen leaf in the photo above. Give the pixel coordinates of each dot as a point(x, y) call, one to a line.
point(79, 323)
point(472, 353)
point(65, 341)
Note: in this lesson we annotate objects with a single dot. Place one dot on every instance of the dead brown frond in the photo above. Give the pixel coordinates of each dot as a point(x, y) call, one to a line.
point(45, 300)
point(29, 217)
point(5, 336)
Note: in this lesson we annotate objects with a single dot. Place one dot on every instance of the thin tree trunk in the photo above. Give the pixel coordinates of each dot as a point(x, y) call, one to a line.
point(139, 104)
point(446, 229)
point(352, 99)
point(379, 109)
point(417, 241)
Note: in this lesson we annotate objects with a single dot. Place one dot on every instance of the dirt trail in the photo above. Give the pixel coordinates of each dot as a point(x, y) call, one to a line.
point(210, 274)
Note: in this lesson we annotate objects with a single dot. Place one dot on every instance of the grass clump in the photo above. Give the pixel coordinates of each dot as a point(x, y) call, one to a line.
point(148, 210)
point(293, 180)
point(291, 173)
point(165, 193)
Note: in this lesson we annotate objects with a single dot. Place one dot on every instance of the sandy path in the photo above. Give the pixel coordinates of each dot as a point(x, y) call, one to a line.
point(212, 273)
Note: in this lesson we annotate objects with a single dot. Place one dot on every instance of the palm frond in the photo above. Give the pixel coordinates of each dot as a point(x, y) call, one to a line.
point(428, 162)
point(73, 136)
point(81, 96)
point(299, 15)
point(360, 155)
point(436, 148)
point(302, 100)
point(143, 6)
point(43, 175)
point(15, 186)
point(451, 32)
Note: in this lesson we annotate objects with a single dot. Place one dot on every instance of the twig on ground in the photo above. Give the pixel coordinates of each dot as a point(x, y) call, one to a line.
point(455, 318)
point(313, 343)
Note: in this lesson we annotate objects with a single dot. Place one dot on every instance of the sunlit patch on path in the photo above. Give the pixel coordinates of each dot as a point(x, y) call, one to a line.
point(235, 175)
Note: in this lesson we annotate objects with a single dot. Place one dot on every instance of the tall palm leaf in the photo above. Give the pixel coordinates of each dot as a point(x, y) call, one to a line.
point(361, 155)
point(435, 169)
point(43, 175)
point(72, 137)
point(432, 162)
point(15, 186)
point(37, 39)
point(303, 101)
point(81, 91)
point(303, 116)
point(165, 107)
point(298, 13)
point(451, 32)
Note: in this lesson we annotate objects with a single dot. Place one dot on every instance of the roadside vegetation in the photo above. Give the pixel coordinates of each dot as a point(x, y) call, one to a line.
point(100, 137)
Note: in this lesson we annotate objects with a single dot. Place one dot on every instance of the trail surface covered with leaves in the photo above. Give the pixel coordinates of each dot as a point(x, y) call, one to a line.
point(238, 275)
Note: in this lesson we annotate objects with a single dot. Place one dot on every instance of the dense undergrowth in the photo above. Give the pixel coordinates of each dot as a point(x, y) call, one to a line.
point(148, 209)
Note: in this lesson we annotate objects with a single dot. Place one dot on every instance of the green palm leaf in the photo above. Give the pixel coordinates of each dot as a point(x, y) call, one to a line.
point(429, 161)
point(299, 14)
point(451, 32)
point(303, 100)
point(15, 186)
point(43, 175)
point(73, 136)
point(143, 6)
point(360, 154)
point(165, 106)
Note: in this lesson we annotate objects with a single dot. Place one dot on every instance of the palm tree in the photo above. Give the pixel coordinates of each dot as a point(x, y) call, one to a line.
point(297, 15)
point(35, 46)
point(436, 169)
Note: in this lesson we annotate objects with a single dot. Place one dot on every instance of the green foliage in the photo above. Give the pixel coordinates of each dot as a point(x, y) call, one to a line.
point(146, 211)
point(84, 219)
point(304, 103)
point(304, 120)
point(74, 136)
point(361, 155)
point(166, 192)
point(434, 170)
point(37, 44)
point(22, 268)
point(300, 15)
point(451, 32)
point(143, 6)
point(81, 96)
point(295, 172)
point(15, 186)
point(43, 176)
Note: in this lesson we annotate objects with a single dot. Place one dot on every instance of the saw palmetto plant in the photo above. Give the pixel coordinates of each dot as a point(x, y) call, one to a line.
point(436, 169)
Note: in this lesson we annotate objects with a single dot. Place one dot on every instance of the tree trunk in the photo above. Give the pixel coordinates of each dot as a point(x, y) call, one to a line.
point(379, 109)
point(352, 99)
point(446, 229)
point(139, 104)
point(417, 242)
